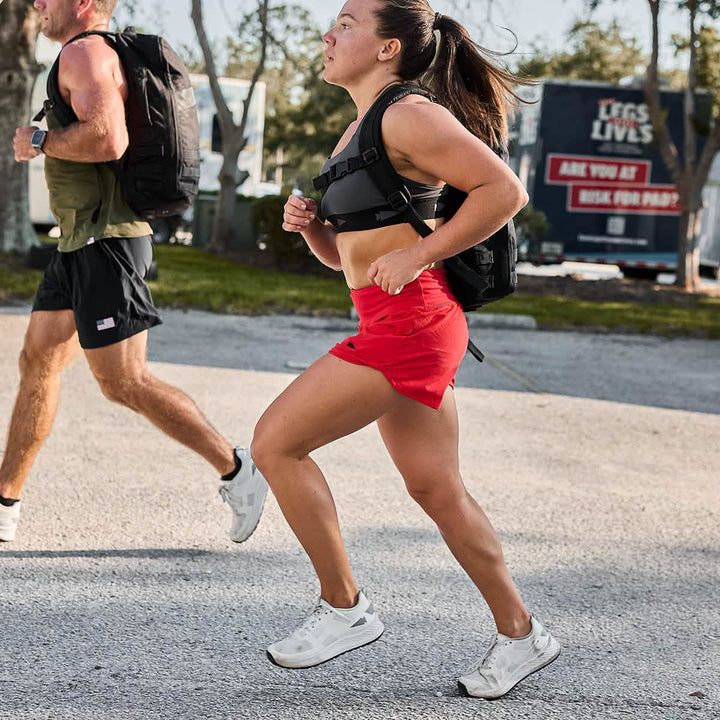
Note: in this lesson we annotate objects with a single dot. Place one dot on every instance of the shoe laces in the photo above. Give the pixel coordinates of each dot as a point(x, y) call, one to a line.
point(485, 665)
point(235, 500)
point(320, 611)
point(226, 494)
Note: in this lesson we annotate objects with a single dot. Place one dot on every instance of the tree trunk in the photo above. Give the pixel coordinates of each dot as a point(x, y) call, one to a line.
point(224, 224)
point(688, 174)
point(688, 263)
point(689, 250)
point(19, 27)
point(233, 135)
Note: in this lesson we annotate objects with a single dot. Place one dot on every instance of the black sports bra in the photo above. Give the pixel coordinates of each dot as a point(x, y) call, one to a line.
point(352, 202)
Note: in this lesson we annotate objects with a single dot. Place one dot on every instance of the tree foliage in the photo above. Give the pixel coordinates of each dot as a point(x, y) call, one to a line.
point(594, 52)
point(708, 57)
point(304, 115)
point(309, 128)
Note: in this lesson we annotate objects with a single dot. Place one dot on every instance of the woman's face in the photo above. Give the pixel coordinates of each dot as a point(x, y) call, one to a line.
point(353, 44)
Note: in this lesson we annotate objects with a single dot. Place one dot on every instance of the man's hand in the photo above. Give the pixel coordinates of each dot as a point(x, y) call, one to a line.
point(24, 151)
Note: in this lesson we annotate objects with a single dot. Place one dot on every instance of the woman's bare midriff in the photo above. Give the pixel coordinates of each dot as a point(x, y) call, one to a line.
point(358, 250)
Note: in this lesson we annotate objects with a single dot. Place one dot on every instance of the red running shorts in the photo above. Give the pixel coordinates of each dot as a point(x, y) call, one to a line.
point(416, 339)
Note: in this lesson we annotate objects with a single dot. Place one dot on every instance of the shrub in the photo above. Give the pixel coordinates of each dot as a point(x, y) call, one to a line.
point(531, 224)
point(267, 220)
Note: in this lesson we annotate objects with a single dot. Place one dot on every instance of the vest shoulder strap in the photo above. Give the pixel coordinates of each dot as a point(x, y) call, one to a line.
point(382, 172)
point(373, 157)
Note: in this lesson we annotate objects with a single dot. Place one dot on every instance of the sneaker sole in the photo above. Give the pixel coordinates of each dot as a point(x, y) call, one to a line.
point(364, 643)
point(465, 693)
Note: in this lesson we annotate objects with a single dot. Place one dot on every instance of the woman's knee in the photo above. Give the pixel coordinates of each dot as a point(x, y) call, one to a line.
point(264, 447)
point(444, 500)
point(439, 497)
point(271, 445)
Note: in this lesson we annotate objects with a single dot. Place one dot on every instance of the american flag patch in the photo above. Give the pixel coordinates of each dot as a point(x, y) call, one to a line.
point(106, 324)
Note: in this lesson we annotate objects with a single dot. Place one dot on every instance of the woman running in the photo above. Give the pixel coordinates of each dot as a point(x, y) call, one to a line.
point(399, 369)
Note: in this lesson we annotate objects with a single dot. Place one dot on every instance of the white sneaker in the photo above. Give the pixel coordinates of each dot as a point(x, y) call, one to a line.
point(245, 494)
point(508, 661)
point(9, 517)
point(327, 633)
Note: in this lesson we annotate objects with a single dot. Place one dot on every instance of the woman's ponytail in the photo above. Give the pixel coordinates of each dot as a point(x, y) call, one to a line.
point(466, 81)
point(439, 54)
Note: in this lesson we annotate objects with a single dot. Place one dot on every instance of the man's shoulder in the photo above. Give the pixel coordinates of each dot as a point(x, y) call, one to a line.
point(87, 54)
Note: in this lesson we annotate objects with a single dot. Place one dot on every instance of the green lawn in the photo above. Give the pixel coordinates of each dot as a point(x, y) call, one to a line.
point(191, 278)
point(17, 281)
point(696, 316)
point(188, 277)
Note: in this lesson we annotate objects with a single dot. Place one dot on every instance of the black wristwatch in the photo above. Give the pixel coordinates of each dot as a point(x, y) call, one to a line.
point(37, 139)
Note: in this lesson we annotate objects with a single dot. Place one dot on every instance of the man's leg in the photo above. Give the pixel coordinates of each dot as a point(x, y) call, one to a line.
point(122, 373)
point(50, 343)
point(113, 312)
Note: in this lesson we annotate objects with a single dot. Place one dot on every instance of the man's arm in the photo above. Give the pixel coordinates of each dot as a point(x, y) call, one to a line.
point(92, 83)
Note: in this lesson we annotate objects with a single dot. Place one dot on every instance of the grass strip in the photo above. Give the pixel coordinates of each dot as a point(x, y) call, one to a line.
point(695, 316)
point(191, 278)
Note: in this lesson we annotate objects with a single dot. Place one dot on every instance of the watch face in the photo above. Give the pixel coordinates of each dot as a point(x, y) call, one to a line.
point(36, 139)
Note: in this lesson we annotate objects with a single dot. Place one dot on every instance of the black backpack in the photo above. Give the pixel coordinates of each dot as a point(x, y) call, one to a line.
point(479, 275)
point(160, 171)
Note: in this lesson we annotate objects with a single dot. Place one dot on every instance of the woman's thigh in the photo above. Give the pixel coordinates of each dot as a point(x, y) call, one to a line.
point(423, 444)
point(331, 399)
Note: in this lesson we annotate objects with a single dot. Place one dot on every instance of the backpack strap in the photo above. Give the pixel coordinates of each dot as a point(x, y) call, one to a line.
point(65, 115)
point(373, 158)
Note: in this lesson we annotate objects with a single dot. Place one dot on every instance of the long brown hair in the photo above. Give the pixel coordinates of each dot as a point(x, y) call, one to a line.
point(460, 73)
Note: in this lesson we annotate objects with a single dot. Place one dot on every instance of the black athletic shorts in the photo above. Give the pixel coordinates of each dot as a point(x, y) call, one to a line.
point(103, 284)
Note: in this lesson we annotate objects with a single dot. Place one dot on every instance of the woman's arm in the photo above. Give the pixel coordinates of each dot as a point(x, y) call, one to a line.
point(300, 215)
point(425, 137)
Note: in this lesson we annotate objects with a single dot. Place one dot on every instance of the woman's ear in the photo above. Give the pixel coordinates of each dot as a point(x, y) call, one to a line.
point(389, 50)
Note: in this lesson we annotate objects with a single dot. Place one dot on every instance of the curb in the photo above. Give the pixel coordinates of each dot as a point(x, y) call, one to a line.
point(500, 321)
point(489, 320)
point(474, 320)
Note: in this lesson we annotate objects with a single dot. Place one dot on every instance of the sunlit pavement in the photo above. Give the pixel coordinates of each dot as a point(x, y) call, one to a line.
point(123, 598)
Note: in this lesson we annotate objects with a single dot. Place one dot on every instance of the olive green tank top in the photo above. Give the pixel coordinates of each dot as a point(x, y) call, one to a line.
point(87, 202)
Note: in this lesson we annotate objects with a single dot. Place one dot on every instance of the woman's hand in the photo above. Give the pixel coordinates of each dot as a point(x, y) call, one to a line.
point(396, 269)
point(298, 213)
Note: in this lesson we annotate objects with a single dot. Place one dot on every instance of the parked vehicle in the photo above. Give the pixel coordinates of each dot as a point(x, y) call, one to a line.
point(586, 154)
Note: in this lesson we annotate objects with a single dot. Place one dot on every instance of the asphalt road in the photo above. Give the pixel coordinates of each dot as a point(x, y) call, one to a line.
point(596, 457)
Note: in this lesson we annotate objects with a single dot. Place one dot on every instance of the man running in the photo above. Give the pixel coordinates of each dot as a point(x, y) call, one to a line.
point(93, 292)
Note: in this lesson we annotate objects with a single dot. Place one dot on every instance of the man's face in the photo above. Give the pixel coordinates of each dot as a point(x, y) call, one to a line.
point(57, 17)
